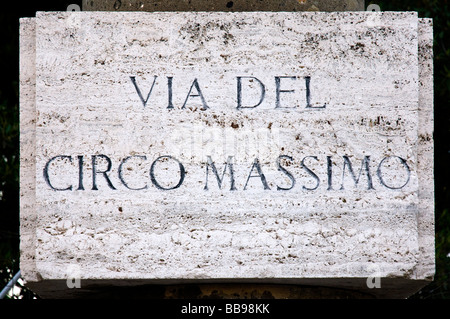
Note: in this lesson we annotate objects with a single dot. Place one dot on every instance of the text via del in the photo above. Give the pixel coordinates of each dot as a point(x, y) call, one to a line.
point(250, 92)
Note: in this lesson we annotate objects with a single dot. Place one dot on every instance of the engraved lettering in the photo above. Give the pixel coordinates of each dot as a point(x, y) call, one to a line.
point(380, 174)
point(144, 101)
point(228, 164)
point(47, 177)
point(364, 165)
point(310, 172)
point(95, 171)
point(308, 95)
point(286, 172)
point(152, 173)
point(121, 173)
point(239, 92)
point(279, 91)
point(199, 94)
point(260, 175)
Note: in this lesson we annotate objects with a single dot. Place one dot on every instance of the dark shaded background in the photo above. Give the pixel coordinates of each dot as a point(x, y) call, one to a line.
point(9, 132)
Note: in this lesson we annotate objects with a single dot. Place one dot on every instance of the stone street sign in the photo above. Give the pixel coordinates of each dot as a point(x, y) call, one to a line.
point(276, 147)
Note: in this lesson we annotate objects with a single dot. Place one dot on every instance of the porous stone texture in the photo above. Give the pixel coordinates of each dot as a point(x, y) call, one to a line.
point(347, 115)
point(425, 159)
point(223, 5)
point(28, 148)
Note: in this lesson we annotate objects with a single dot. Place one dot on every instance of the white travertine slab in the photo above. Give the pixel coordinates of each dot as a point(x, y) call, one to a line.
point(87, 104)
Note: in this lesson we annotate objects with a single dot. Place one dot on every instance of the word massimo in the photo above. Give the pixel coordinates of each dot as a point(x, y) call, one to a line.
point(212, 171)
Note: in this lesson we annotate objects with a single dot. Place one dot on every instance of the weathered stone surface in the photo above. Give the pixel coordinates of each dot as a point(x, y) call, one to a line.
point(425, 163)
point(356, 67)
point(28, 148)
point(224, 5)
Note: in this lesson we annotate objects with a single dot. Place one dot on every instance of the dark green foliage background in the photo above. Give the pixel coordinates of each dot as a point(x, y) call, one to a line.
point(9, 131)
